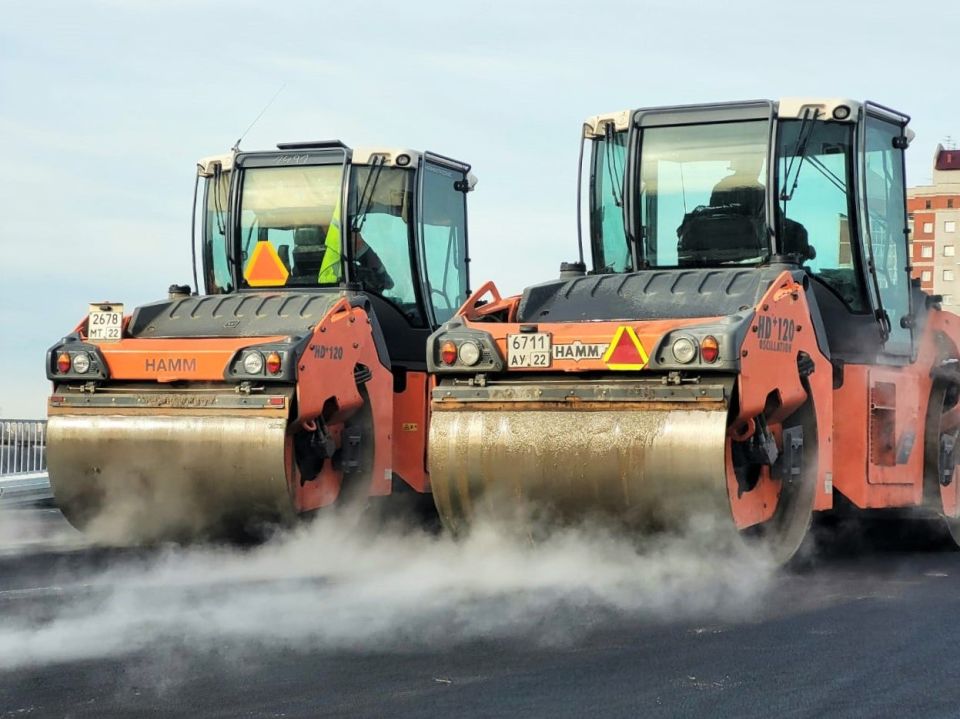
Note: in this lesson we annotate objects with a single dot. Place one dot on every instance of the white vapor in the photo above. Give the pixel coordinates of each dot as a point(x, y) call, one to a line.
point(341, 585)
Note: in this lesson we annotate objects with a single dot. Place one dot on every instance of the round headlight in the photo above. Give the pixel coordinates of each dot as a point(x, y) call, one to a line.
point(684, 350)
point(253, 363)
point(469, 353)
point(81, 363)
point(403, 160)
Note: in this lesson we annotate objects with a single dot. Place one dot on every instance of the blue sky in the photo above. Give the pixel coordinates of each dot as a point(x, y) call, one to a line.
point(106, 105)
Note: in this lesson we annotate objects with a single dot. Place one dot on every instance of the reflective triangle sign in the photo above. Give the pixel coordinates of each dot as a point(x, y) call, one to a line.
point(626, 351)
point(265, 268)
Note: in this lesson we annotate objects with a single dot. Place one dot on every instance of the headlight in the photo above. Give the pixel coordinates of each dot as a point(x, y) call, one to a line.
point(684, 350)
point(81, 363)
point(469, 353)
point(253, 363)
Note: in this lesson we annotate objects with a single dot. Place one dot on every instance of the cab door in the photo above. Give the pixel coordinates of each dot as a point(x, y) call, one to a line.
point(884, 219)
point(442, 229)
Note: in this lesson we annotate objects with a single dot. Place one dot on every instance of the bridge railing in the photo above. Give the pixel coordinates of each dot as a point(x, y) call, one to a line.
point(23, 446)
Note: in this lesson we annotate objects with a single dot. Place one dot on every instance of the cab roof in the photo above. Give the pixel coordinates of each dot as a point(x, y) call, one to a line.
point(787, 107)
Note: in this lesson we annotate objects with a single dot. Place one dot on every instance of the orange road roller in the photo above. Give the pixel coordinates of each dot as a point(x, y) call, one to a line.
point(292, 373)
point(749, 343)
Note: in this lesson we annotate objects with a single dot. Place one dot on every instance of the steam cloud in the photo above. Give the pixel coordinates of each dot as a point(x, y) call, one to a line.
point(342, 584)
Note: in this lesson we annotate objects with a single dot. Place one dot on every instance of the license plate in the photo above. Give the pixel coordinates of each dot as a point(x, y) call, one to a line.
point(105, 323)
point(528, 350)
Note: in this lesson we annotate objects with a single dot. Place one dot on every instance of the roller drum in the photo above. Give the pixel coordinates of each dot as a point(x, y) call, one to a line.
point(651, 468)
point(148, 477)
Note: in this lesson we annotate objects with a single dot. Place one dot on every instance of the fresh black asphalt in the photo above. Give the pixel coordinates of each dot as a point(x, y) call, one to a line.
point(864, 632)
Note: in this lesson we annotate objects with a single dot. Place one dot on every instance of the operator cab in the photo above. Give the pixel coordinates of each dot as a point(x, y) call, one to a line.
point(817, 184)
point(320, 216)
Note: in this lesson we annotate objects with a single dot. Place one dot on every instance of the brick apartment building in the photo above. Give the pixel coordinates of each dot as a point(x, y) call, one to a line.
point(935, 238)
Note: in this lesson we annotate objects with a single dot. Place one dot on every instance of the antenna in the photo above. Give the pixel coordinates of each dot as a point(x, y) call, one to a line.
point(236, 145)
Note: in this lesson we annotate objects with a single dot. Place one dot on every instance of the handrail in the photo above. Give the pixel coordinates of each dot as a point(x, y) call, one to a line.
point(23, 445)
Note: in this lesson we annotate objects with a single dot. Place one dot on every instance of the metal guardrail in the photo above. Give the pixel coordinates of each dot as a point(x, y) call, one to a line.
point(23, 446)
point(23, 461)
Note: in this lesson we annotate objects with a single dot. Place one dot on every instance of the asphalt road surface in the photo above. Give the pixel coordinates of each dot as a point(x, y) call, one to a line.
point(864, 632)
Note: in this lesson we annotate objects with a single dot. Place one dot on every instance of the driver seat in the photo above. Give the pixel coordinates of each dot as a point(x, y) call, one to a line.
point(308, 252)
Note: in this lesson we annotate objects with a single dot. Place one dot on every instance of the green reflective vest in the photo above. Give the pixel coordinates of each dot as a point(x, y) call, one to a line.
point(332, 258)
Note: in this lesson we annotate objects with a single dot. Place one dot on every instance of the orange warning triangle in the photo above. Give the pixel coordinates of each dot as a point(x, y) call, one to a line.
point(265, 268)
point(626, 351)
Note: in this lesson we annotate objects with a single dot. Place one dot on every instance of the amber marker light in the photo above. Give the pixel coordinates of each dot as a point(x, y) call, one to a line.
point(709, 349)
point(273, 363)
point(448, 352)
point(63, 362)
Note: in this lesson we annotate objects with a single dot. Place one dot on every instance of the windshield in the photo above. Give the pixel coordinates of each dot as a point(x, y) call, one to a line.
point(380, 235)
point(611, 252)
point(290, 226)
point(702, 190)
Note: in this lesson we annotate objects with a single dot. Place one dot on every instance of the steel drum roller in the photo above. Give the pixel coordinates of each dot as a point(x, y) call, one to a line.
point(652, 468)
point(145, 477)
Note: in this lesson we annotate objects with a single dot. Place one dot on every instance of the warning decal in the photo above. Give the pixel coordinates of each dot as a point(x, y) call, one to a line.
point(626, 351)
point(265, 268)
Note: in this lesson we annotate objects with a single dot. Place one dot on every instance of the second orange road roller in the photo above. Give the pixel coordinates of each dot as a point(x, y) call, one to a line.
point(748, 343)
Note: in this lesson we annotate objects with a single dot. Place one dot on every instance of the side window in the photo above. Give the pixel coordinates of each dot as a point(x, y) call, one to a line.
point(883, 187)
point(814, 219)
point(444, 233)
point(216, 272)
point(381, 235)
point(608, 236)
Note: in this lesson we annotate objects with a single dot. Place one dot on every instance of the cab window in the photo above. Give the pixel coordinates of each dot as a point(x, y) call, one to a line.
point(815, 205)
point(380, 235)
point(607, 235)
point(884, 188)
point(296, 210)
point(218, 277)
point(701, 194)
point(444, 226)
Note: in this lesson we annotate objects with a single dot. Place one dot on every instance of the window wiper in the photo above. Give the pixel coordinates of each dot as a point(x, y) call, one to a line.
point(219, 213)
point(218, 200)
point(807, 126)
point(616, 183)
point(615, 174)
point(366, 195)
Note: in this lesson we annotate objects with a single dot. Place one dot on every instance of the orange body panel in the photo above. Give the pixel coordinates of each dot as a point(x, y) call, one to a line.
point(170, 360)
point(326, 390)
point(879, 454)
point(941, 342)
point(867, 469)
point(410, 409)
point(589, 333)
point(769, 379)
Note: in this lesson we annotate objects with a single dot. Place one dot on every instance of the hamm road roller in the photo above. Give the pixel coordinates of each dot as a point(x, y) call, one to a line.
point(748, 343)
point(297, 374)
